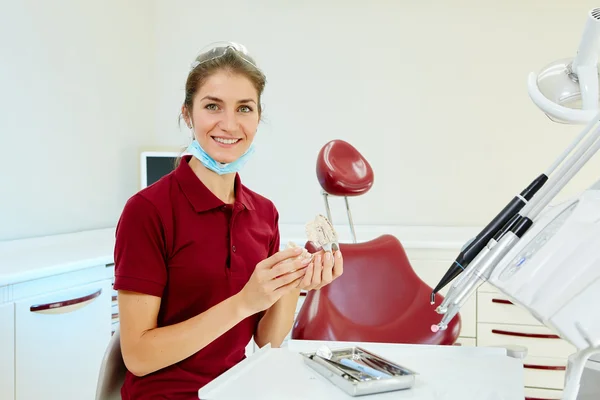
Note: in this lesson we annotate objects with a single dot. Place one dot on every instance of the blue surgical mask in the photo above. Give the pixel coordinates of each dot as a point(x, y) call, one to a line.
point(220, 168)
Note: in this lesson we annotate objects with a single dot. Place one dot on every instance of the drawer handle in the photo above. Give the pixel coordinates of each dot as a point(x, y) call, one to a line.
point(65, 306)
point(537, 398)
point(528, 335)
point(502, 301)
point(546, 367)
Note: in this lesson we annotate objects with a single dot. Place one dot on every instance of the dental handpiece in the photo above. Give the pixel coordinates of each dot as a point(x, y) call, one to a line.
point(462, 278)
point(480, 275)
point(452, 293)
point(527, 203)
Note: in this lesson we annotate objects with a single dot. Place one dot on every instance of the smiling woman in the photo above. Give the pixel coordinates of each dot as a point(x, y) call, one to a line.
point(222, 104)
point(197, 262)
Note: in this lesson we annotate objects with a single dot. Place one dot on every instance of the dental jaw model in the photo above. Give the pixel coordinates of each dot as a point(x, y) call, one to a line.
point(321, 233)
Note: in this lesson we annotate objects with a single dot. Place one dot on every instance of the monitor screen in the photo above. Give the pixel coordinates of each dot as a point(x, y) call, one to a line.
point(155, 165)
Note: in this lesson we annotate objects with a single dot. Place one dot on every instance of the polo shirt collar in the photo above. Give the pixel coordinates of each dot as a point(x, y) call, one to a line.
point(201, 198)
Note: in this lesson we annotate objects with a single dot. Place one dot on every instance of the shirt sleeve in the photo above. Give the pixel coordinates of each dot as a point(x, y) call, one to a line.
point(139, 255)
point(276, 240)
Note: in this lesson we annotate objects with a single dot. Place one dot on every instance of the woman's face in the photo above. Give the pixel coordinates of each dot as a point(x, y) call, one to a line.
point(225, 116)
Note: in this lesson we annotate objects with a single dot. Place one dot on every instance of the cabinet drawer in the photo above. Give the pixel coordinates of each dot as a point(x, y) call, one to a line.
point(542, 394)
point(466, 341)
point(539, 340)
point(542, 372)
point(497, 308)
point(61, 338)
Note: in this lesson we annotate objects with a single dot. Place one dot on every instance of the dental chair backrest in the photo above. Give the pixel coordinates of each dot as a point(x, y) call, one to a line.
point(379, 298)
point(344, 172)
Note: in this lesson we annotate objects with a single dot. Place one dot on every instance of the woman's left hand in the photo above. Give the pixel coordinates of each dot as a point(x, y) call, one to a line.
point(324, 269)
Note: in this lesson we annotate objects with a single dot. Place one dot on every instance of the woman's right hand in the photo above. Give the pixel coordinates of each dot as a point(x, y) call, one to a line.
point(273, 278)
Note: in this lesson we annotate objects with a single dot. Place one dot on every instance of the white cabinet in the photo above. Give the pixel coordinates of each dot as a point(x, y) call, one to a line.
point(60, 341)
point(7, 351)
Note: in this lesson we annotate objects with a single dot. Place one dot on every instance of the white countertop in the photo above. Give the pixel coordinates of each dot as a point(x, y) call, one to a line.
point(26, 259)
point(445, 373)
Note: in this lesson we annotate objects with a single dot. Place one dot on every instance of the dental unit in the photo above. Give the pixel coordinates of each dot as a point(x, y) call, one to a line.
point(546, 257)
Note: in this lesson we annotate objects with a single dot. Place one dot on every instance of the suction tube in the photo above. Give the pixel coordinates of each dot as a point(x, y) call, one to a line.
point(501, 223)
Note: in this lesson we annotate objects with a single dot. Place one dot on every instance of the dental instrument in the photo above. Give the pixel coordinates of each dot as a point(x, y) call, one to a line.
point(504, 220)
point(545, 259)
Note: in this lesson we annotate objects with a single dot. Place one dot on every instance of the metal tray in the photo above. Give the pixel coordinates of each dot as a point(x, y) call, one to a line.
point(356, 383)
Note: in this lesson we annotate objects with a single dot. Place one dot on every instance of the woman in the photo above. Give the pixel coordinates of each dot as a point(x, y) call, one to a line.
point(197, 262)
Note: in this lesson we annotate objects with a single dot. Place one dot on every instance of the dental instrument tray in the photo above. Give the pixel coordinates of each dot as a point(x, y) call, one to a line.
point(359, 372)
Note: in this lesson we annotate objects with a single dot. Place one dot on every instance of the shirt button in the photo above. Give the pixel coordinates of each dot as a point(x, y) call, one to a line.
point(233, 248)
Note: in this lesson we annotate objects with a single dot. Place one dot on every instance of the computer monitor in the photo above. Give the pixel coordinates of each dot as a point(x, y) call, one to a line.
point(156, 164)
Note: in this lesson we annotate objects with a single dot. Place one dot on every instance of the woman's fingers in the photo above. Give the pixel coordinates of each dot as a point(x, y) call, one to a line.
point(317, 271)
point(280, 256)
point(338, 266)
point(287, 267)
point(286, 279)
point(327, 275)
point(283, 290)
point(308, 274)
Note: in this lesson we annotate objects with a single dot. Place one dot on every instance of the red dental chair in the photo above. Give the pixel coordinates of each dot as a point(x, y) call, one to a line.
point(379, 297)
point(343, 171)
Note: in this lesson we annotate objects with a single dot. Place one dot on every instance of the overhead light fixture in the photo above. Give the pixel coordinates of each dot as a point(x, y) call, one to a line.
point(567, 90)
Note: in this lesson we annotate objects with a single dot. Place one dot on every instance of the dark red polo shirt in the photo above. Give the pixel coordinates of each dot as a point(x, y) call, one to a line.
point(178, 241)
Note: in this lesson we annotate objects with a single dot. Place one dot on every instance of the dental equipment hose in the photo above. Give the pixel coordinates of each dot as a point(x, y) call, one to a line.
point(512, 213)
point(501, 220)
point(485, 262)
point(585, 153)
point(558, 180)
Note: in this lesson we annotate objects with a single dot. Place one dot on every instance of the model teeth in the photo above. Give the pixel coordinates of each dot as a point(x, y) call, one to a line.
point(320, 231)
point(226, 141)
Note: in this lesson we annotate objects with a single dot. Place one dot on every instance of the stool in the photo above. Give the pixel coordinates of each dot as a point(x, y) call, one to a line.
point(343, 171)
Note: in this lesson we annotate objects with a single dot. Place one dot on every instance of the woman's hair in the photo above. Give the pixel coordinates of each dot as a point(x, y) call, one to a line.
point(231, 61)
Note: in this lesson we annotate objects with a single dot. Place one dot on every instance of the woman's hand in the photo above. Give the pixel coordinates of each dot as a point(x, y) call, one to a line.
point(325, 268)
point(273, 278)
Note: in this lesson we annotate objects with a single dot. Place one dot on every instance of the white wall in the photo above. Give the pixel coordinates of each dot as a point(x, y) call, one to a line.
point(76, 104)
point(85, 85)
point(433, 93)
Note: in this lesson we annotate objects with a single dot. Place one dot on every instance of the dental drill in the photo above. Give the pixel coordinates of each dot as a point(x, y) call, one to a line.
point(480, 269)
